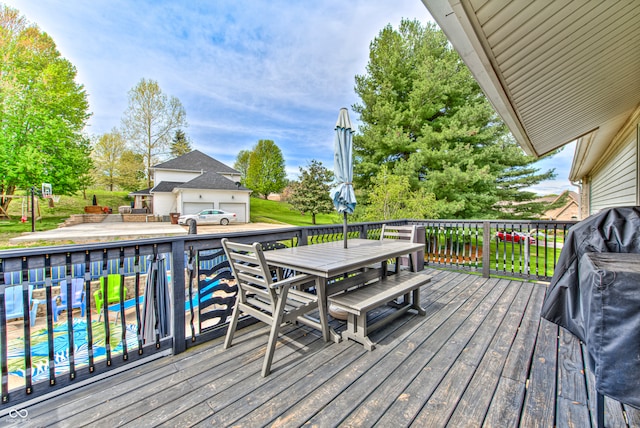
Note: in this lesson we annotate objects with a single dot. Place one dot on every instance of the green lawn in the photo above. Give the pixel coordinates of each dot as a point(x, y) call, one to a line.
point(47, 217)
point(264, 211)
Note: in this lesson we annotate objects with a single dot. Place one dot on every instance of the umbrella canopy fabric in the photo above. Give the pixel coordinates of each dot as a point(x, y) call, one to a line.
point(157, 310)
point(343, 196)
point(344, 199)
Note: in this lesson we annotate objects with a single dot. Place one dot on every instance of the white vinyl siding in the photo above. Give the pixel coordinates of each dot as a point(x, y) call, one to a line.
point(615, 184)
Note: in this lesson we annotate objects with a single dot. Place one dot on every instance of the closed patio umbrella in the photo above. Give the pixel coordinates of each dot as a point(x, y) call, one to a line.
point(344, 199)
point(156, 310)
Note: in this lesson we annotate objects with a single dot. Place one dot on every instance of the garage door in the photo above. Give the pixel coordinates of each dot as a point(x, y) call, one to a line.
point(196, 207)
point(237, 208)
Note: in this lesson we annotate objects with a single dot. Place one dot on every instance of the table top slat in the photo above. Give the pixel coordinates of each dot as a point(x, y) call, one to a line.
point(331, 258)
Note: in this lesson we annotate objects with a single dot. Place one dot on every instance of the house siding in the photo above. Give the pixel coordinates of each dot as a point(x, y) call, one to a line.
point(615, 183)
point(164, 203)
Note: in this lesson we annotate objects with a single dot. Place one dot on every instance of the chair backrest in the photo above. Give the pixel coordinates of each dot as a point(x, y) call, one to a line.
point(78, 270)
point(250, 269)
point(14, 301)
point(113, 286)
point(37, 277)
point(398, 232)
point(77, 291)
point(58, 273)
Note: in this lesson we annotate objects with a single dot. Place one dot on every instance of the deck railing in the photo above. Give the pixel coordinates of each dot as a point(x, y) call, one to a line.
point(47, 344)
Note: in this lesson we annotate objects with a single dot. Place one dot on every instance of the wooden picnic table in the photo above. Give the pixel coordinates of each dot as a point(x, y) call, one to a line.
point(330, 260)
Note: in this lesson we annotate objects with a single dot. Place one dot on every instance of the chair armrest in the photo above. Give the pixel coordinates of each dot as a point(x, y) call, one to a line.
point(302, 278)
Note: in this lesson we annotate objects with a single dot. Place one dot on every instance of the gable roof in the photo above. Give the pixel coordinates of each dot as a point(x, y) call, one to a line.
point(165, 186)
point(206, 181)
point(572, 201)
point(211, 180)
point(143, 192)
point(196, 161)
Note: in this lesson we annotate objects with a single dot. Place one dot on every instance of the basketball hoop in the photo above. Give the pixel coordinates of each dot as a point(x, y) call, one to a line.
point(56, 198)
point(47, 190)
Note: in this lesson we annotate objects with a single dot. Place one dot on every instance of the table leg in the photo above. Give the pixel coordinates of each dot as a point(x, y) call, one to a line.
point(323, 310)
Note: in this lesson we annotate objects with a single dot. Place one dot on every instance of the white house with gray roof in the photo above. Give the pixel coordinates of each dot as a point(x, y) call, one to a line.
point(194, 182)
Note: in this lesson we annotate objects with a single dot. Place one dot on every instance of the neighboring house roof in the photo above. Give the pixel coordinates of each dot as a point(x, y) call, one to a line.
point(210, 175)
point(165, 186)
point(196, 161)
point(144, 192)
point(208, 180)
point(569, 211)
point(211, 180)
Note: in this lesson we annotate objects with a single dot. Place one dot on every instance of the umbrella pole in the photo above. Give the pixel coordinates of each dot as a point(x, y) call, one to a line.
point(344, 229)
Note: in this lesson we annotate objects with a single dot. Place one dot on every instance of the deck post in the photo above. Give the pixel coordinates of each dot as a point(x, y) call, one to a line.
point(486, 249)
point(177, 276)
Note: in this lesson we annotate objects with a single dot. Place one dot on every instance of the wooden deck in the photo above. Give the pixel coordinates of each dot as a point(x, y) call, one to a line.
point(481, 357)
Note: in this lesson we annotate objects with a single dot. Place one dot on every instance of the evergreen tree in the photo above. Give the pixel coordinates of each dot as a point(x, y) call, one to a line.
point(180, 144)
point(311, 193)
point(425, 117)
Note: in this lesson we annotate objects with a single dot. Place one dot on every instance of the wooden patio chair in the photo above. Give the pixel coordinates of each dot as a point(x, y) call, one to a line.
point(272, 302)
point(407, 233)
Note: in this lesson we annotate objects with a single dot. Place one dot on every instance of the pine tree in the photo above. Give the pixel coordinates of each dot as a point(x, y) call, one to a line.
point(180, 144)
point(425, 117)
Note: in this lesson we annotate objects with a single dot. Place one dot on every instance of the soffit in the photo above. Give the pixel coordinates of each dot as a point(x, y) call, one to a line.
point(554, 70)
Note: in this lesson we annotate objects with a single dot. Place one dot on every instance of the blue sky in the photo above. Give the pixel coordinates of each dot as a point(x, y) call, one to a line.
point(244, 70)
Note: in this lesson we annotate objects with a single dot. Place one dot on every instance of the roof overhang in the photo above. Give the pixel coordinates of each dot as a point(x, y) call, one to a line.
point(555, 71)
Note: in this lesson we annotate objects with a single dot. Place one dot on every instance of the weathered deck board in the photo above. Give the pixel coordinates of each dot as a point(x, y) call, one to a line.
point(480, 357)
point(477, 397)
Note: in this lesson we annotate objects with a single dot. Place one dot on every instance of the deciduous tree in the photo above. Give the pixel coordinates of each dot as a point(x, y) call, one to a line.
point(311, 193)
point(43, 112)
point(242, 164)
point(150, 120)
point(266, 173)
point(131, 171)
point(106, 157)
point(425, 117)
point(391, 198)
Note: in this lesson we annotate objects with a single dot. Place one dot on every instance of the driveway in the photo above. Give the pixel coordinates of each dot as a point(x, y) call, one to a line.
point(101, 232)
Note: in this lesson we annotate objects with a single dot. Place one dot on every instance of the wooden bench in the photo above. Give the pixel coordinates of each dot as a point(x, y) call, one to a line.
point(357, 303)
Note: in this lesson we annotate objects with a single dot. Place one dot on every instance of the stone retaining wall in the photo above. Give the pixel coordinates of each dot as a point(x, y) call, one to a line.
point(99, 218)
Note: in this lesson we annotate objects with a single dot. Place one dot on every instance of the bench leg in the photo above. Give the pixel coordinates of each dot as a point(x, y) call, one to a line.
point(415, 303)
point(357, 331)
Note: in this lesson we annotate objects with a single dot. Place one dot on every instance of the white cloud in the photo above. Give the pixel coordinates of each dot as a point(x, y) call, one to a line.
point(244, 70)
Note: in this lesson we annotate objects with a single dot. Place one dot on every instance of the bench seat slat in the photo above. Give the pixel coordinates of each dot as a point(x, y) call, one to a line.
point(373, 295)
point(359, 301)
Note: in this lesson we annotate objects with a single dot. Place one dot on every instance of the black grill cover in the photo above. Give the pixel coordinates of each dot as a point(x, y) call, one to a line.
point(596, 297)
